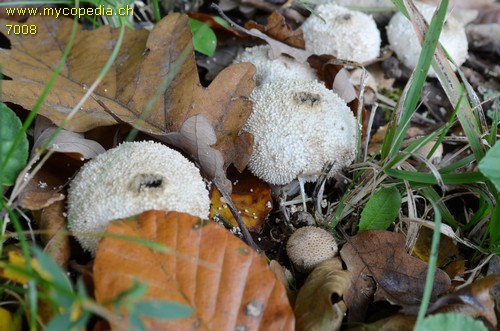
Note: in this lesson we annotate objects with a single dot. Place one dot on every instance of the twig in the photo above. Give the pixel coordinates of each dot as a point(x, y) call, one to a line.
point(244, 230)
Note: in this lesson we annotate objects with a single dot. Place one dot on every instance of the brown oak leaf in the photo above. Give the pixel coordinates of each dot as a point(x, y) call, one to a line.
point(382, 270)
point(153, 85)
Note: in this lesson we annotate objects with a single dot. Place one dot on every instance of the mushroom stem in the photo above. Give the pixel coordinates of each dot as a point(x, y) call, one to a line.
point(244, 230)
point(302, 192)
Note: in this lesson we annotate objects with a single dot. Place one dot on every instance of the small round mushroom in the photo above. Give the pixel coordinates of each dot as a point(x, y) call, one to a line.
point(404, 41)
point(309, 246)
point(346, 34)
point(268, 70)
point(298, 127)
point(127, 180)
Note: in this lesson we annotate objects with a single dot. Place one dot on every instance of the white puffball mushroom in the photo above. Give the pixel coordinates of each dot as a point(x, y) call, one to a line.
point(268, 69)
point(298, 127)
point(128, 180)
point(404, 41)
point(309, 246)
point(346, 34)
point(366, 3)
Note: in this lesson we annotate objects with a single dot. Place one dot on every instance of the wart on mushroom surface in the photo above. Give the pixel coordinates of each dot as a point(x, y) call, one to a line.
point(299, 127)
point(346, 34)
point(127, 180)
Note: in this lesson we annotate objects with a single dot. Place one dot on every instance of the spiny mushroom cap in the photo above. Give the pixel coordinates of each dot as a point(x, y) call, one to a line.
point(346, 34)
point(298, 127)
point(404, 41)
point(309, 246)
point(268, 70)
point(364, 3)
point(127, 180)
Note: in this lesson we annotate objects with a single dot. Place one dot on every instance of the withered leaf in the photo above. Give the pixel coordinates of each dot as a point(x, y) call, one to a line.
point(250, 195)
point(278, 29)
point(474, 300)
point(319, 304)
point(205, 267)
point(67, 142)
point(52, 223)
point(378, 258)
point(159, 66)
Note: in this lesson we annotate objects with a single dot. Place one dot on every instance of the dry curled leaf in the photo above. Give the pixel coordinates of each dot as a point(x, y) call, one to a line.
point(157, 65)
point(323, 290)
point(70, 143)
point(204, 266)
point(278, 29)
point(474, 300)
point(251, 196)
point(382, 270)
point(52, 224)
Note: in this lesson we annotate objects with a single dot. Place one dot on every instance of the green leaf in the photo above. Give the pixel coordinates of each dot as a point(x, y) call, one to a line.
point(381, 210)
point(11, 162)
point(204, 38)
point(60, 322)
point(489, 165)
point(161, 309)
point(450, 321)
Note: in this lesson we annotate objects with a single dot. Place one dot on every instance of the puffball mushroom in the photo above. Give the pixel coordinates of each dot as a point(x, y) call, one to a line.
point(268, 69)
point(346, 34)
point(309, 246)
point(404, 41)
point(298, 127)
point(128, 180)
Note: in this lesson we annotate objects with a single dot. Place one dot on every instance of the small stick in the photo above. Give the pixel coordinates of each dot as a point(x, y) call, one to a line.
point(244, 230)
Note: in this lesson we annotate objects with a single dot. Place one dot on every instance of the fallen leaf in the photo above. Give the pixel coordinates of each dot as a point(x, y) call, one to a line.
point(448, 250)
point(323, 290)
point(251, 196)
point(52, 224)
point(46, 186)
point(474, 300)
point(204, 266)
point(382, 270)
point(278, 29)
point(159, 65)
point(70, 143)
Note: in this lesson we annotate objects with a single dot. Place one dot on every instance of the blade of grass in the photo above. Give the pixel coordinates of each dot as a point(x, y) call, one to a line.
point(429, 178)
point(429, 280)
point(408, 104)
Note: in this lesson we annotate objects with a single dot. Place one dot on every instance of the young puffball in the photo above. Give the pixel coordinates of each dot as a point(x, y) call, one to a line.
point(127, 180)
point(298, 127)
point(268, 70)
point(404, 41)
point(346, 34)
point(309, 246)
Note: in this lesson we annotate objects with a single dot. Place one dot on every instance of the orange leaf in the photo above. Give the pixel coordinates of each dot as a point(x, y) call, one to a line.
point(226, 282)
point(251, 196)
